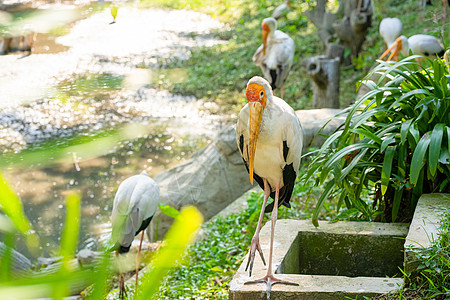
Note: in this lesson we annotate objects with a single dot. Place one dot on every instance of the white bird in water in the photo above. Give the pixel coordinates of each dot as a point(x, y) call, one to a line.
point(281, 9)
point(390, 30)
point(270, 138)
point(135, 204)
point(275, 55)
point(419, 44)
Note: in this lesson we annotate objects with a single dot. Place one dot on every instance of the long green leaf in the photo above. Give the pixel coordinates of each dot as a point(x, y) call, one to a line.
point(435, 147)
point(404, 130)
point(417, 161)
point(11, 205)
point(387, 167)
point(181, 234)
point(326, 192)
point(396, 205)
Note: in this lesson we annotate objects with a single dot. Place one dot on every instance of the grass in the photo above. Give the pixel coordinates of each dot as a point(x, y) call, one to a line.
point(432, 280)
point(220, 73)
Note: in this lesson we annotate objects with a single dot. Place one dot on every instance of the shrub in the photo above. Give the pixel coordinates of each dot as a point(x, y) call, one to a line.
point(393, 146)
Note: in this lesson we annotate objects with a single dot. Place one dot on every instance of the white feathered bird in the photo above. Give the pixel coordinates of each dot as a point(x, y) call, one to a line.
point(270, 139)
point(135, 204)
point(419, 44)
point(275, 55)
point(390, 30)
point(281, 9)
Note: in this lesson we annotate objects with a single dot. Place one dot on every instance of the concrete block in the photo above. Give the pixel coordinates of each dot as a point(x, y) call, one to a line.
point(424, 226)
point(314, 257)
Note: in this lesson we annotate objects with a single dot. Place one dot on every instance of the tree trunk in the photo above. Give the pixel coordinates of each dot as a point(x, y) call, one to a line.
point(325, 75)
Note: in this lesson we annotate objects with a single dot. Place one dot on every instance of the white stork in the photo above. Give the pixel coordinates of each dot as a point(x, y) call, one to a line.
point(134, 206)
point(280, 10)
point(420, 44)
point(270, 138)
point(275, 55)
point(390, 30)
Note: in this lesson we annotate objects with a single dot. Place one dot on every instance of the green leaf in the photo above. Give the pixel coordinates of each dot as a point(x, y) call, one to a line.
point(396, 205)
point(367, 134)
point(169, 210)
point(435, 147)
point(326, 192)
point(181, 234)
point(417, 161)
point(387, 167)
point(404, 130)
point(11, 205)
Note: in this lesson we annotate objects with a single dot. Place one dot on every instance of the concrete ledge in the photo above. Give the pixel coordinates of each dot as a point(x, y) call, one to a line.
point(293, 251)
point(424, 226)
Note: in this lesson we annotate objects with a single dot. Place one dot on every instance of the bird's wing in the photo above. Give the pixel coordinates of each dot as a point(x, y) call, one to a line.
point(281, 57)
point(291, 132)
point(258, 56)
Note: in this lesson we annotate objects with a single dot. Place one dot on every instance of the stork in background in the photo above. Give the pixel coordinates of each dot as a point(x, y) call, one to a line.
point(270, 138)
point(419, 44)
point(134, 206)
point(281, 9)
point(390, 29)
point(275, 55)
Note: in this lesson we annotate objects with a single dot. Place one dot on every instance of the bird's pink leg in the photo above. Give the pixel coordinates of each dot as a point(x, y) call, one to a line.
point(255, 240)
point(269, 279)
point(122, 291)
point(282, 91)
point(137, 261)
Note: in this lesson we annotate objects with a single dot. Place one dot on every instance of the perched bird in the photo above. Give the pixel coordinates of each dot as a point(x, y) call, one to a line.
point(134, 206)
point(275, 55)
point(270, 138)
point(420, 44)
point(390, 30)
point(281, 9)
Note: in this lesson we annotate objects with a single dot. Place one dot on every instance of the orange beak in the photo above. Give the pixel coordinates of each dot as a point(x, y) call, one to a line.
point(255, 116)
point(397, 45)
point(265, 34)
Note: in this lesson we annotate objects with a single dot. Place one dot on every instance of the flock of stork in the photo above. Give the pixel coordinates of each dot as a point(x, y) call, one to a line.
point(269, 137)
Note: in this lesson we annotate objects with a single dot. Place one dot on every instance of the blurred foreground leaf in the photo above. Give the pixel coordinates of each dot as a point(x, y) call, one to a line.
point(11, 205)
point(181, 234)
point(169, 210)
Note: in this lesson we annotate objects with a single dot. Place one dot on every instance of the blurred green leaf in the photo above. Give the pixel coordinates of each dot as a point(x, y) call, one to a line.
point(169, 210)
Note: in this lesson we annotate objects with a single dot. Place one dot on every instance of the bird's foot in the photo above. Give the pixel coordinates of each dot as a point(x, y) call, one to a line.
point(122, 290)
point(270, 280)
point(255, 245)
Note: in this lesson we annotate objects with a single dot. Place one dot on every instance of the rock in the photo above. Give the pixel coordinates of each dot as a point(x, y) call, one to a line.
point(19, 263)
point(215, 175)
point(43, 262)
point(87, 257)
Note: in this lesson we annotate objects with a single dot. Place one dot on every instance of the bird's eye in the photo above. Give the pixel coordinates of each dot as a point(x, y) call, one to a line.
point(261, 94)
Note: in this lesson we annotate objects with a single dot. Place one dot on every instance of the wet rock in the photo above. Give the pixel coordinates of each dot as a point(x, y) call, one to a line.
point(86, 257)
point(19, 263)
point(43, 262)
point(215, 175)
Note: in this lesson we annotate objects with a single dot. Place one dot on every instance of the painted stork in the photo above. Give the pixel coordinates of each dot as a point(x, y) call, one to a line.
point(390, 29)
point(275, 55)
point(420, 44)
point(270, 138)
point(134, 206)
point(281, 9)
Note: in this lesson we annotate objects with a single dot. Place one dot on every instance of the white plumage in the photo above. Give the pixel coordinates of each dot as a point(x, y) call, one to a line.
point(135, 204)
point(281, 9)
point(390, 29)
point(275, 55)
point(422, 44)
point(270, 139)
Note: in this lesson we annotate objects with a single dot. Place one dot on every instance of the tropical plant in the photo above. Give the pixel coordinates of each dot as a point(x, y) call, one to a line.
point(393, 146)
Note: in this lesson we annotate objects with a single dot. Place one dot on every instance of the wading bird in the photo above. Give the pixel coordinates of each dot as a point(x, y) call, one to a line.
point(275, 55)
point(420, 44)
point(390, 29)
point(134, 206)
point(281, 9)
point(270, 138)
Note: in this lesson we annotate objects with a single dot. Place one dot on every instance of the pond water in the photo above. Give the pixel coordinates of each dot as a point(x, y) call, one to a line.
point(94, 85)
